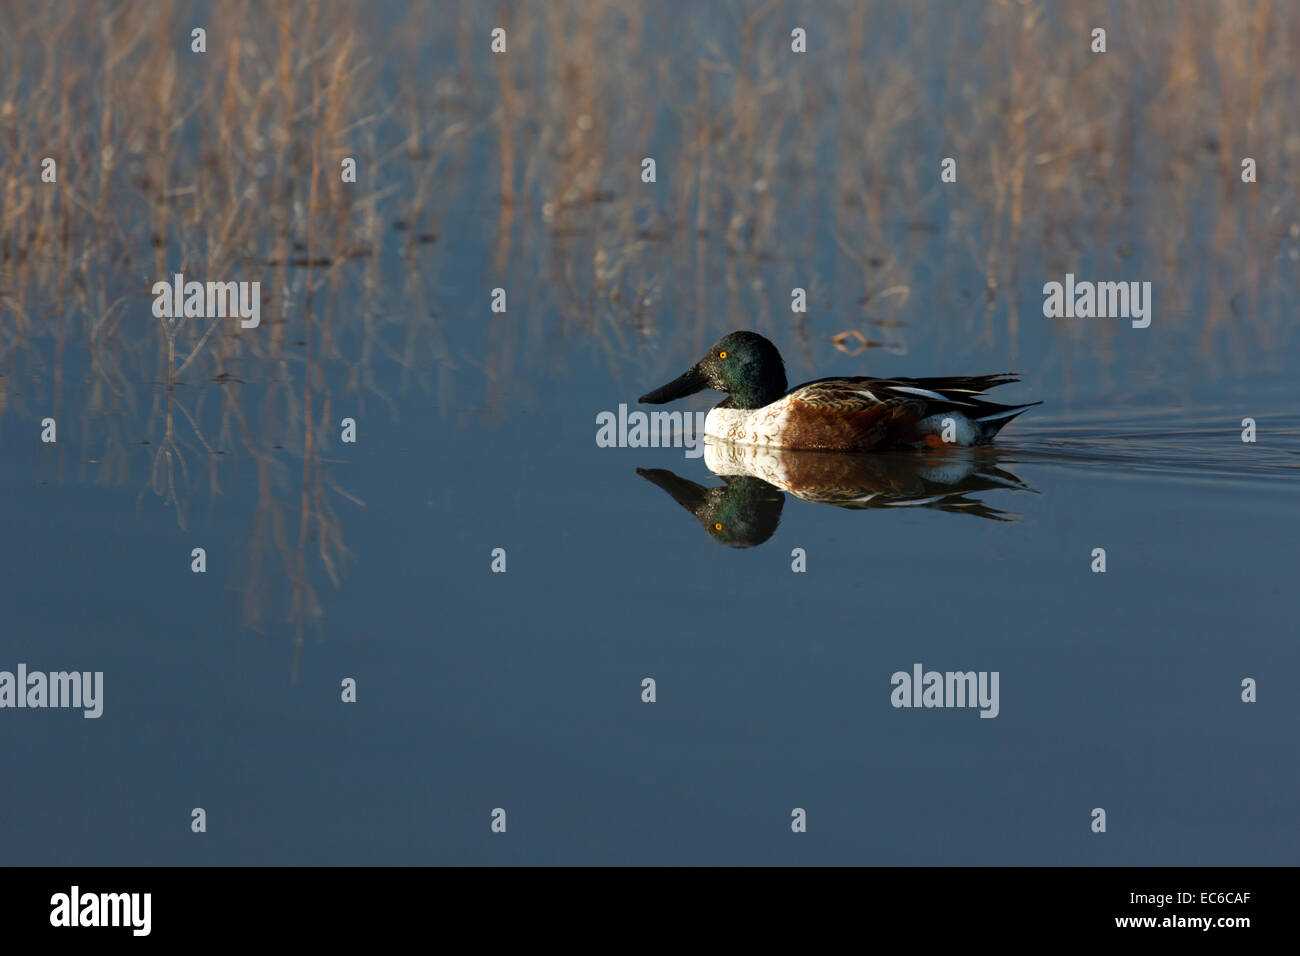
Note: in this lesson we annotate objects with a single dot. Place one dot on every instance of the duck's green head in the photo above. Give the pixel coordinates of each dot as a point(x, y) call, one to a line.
point(744, 364)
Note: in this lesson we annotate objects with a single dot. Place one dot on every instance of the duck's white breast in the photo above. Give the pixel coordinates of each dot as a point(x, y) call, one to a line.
point(759, 426)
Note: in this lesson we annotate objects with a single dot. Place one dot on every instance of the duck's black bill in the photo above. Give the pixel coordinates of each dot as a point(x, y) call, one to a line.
point(688, 494)
point(692, 381)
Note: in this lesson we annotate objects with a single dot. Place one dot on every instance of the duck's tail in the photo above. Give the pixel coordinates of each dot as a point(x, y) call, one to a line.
point(992, 418)
point(964, 394)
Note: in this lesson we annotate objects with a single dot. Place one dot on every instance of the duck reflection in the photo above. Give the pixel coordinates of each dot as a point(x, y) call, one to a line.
point(745, 510)
point(741, 513)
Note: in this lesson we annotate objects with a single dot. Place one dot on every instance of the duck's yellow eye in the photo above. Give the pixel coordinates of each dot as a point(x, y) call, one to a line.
point(722, 355)
point(717, 527)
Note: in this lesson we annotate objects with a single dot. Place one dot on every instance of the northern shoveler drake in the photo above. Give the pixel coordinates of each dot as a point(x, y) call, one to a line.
point(835, 414)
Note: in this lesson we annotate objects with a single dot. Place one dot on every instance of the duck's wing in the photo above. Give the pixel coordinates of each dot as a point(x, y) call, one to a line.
point(925, 395)
point(852, 394)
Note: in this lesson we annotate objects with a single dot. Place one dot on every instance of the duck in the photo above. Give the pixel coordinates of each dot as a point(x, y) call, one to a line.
point(857, 414)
